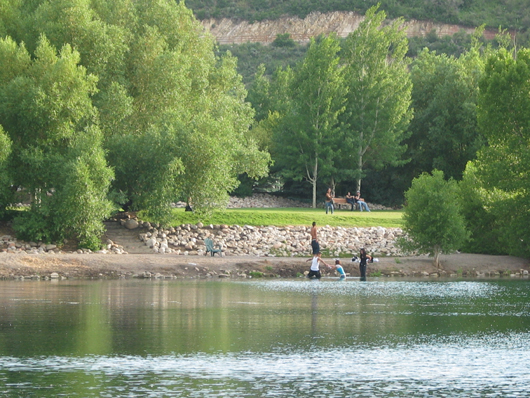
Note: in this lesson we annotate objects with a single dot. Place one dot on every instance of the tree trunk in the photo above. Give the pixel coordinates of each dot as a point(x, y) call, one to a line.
point(314, 182)
point(360, 172)
point(360, 163)
point(314, 194)
point(437, 252)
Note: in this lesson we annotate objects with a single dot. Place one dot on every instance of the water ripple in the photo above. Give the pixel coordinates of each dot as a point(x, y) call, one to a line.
point(386, 288)
point(495, 365)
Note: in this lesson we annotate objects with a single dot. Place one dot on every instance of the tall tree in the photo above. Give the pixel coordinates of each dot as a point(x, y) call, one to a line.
point(5, 181)
point(504, 164)
point(102, 47)
point(444, 132)
point(308, 143)
point(57, 152)
point(173, 115)
point(379, 94)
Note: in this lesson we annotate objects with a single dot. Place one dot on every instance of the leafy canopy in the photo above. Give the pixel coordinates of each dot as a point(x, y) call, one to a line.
point(503, 166)
point(432, 218)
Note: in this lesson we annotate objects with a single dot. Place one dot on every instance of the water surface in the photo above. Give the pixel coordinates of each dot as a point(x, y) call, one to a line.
point(266, 338)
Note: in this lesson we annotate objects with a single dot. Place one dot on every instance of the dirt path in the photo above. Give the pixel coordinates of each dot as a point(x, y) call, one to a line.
point(129, 265)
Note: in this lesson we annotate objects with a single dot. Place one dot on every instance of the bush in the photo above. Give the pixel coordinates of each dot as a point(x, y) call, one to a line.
point(432, 217)
point(283, 40)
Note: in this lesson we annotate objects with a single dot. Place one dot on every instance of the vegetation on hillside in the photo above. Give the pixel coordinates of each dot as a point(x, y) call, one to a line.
point(510, 14)
point(251, 55)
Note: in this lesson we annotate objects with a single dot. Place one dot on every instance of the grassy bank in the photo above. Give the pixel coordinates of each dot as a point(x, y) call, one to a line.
point(292, 216)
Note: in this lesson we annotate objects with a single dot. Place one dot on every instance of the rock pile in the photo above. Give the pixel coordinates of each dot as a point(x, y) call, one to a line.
point(10, 244)
point(235, 240)
point(264, 201)
point(230, 31)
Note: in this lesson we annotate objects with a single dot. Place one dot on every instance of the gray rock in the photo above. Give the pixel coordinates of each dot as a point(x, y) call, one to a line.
point(131, 223)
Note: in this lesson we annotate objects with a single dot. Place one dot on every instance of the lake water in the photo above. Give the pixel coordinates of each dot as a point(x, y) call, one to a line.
point(265, 338)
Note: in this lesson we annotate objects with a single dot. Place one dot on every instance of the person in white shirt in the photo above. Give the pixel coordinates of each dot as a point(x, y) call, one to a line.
point(314, 271)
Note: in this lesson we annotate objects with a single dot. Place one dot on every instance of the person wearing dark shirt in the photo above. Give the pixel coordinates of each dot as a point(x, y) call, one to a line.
point(363, 259)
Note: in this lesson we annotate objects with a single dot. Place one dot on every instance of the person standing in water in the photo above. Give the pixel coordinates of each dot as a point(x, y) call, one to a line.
point(314, 271)
point(363, 258)
point(339, 269)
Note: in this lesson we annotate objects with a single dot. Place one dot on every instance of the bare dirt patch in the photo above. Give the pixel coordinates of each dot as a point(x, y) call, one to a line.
point(140, 265)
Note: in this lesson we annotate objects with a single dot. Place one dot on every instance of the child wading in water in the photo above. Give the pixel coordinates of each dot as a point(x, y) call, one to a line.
point(339, 269)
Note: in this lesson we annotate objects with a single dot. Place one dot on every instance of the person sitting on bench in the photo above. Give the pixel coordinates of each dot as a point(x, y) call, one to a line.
point(361, 202)
point(351, 199)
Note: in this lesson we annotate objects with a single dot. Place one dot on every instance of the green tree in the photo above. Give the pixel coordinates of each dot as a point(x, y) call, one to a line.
point(379, 95)
point(5, 182)
point(57, 154)
point(485, 228)
point(283, 40)
point(504, 164)
point(432, 217)
point(102, 47)
point(307, 142)
point(444, 132)
point(185, 123)
point(173, 116)
point(259, 95)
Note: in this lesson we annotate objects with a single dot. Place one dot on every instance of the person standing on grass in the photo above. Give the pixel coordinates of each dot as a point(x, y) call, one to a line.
point(314, 271)
point(329, 201)
point(314, 240)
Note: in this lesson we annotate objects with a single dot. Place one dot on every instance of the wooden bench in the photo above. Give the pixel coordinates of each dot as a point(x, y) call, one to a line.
point(338, 203)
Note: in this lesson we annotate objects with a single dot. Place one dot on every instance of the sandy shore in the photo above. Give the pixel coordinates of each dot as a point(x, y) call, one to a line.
point(130, 265)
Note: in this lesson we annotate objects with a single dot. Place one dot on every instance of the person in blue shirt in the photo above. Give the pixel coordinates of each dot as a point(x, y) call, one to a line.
point(339, 269)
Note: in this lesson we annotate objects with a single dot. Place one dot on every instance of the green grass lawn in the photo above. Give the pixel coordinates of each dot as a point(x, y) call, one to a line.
point(293, 216)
